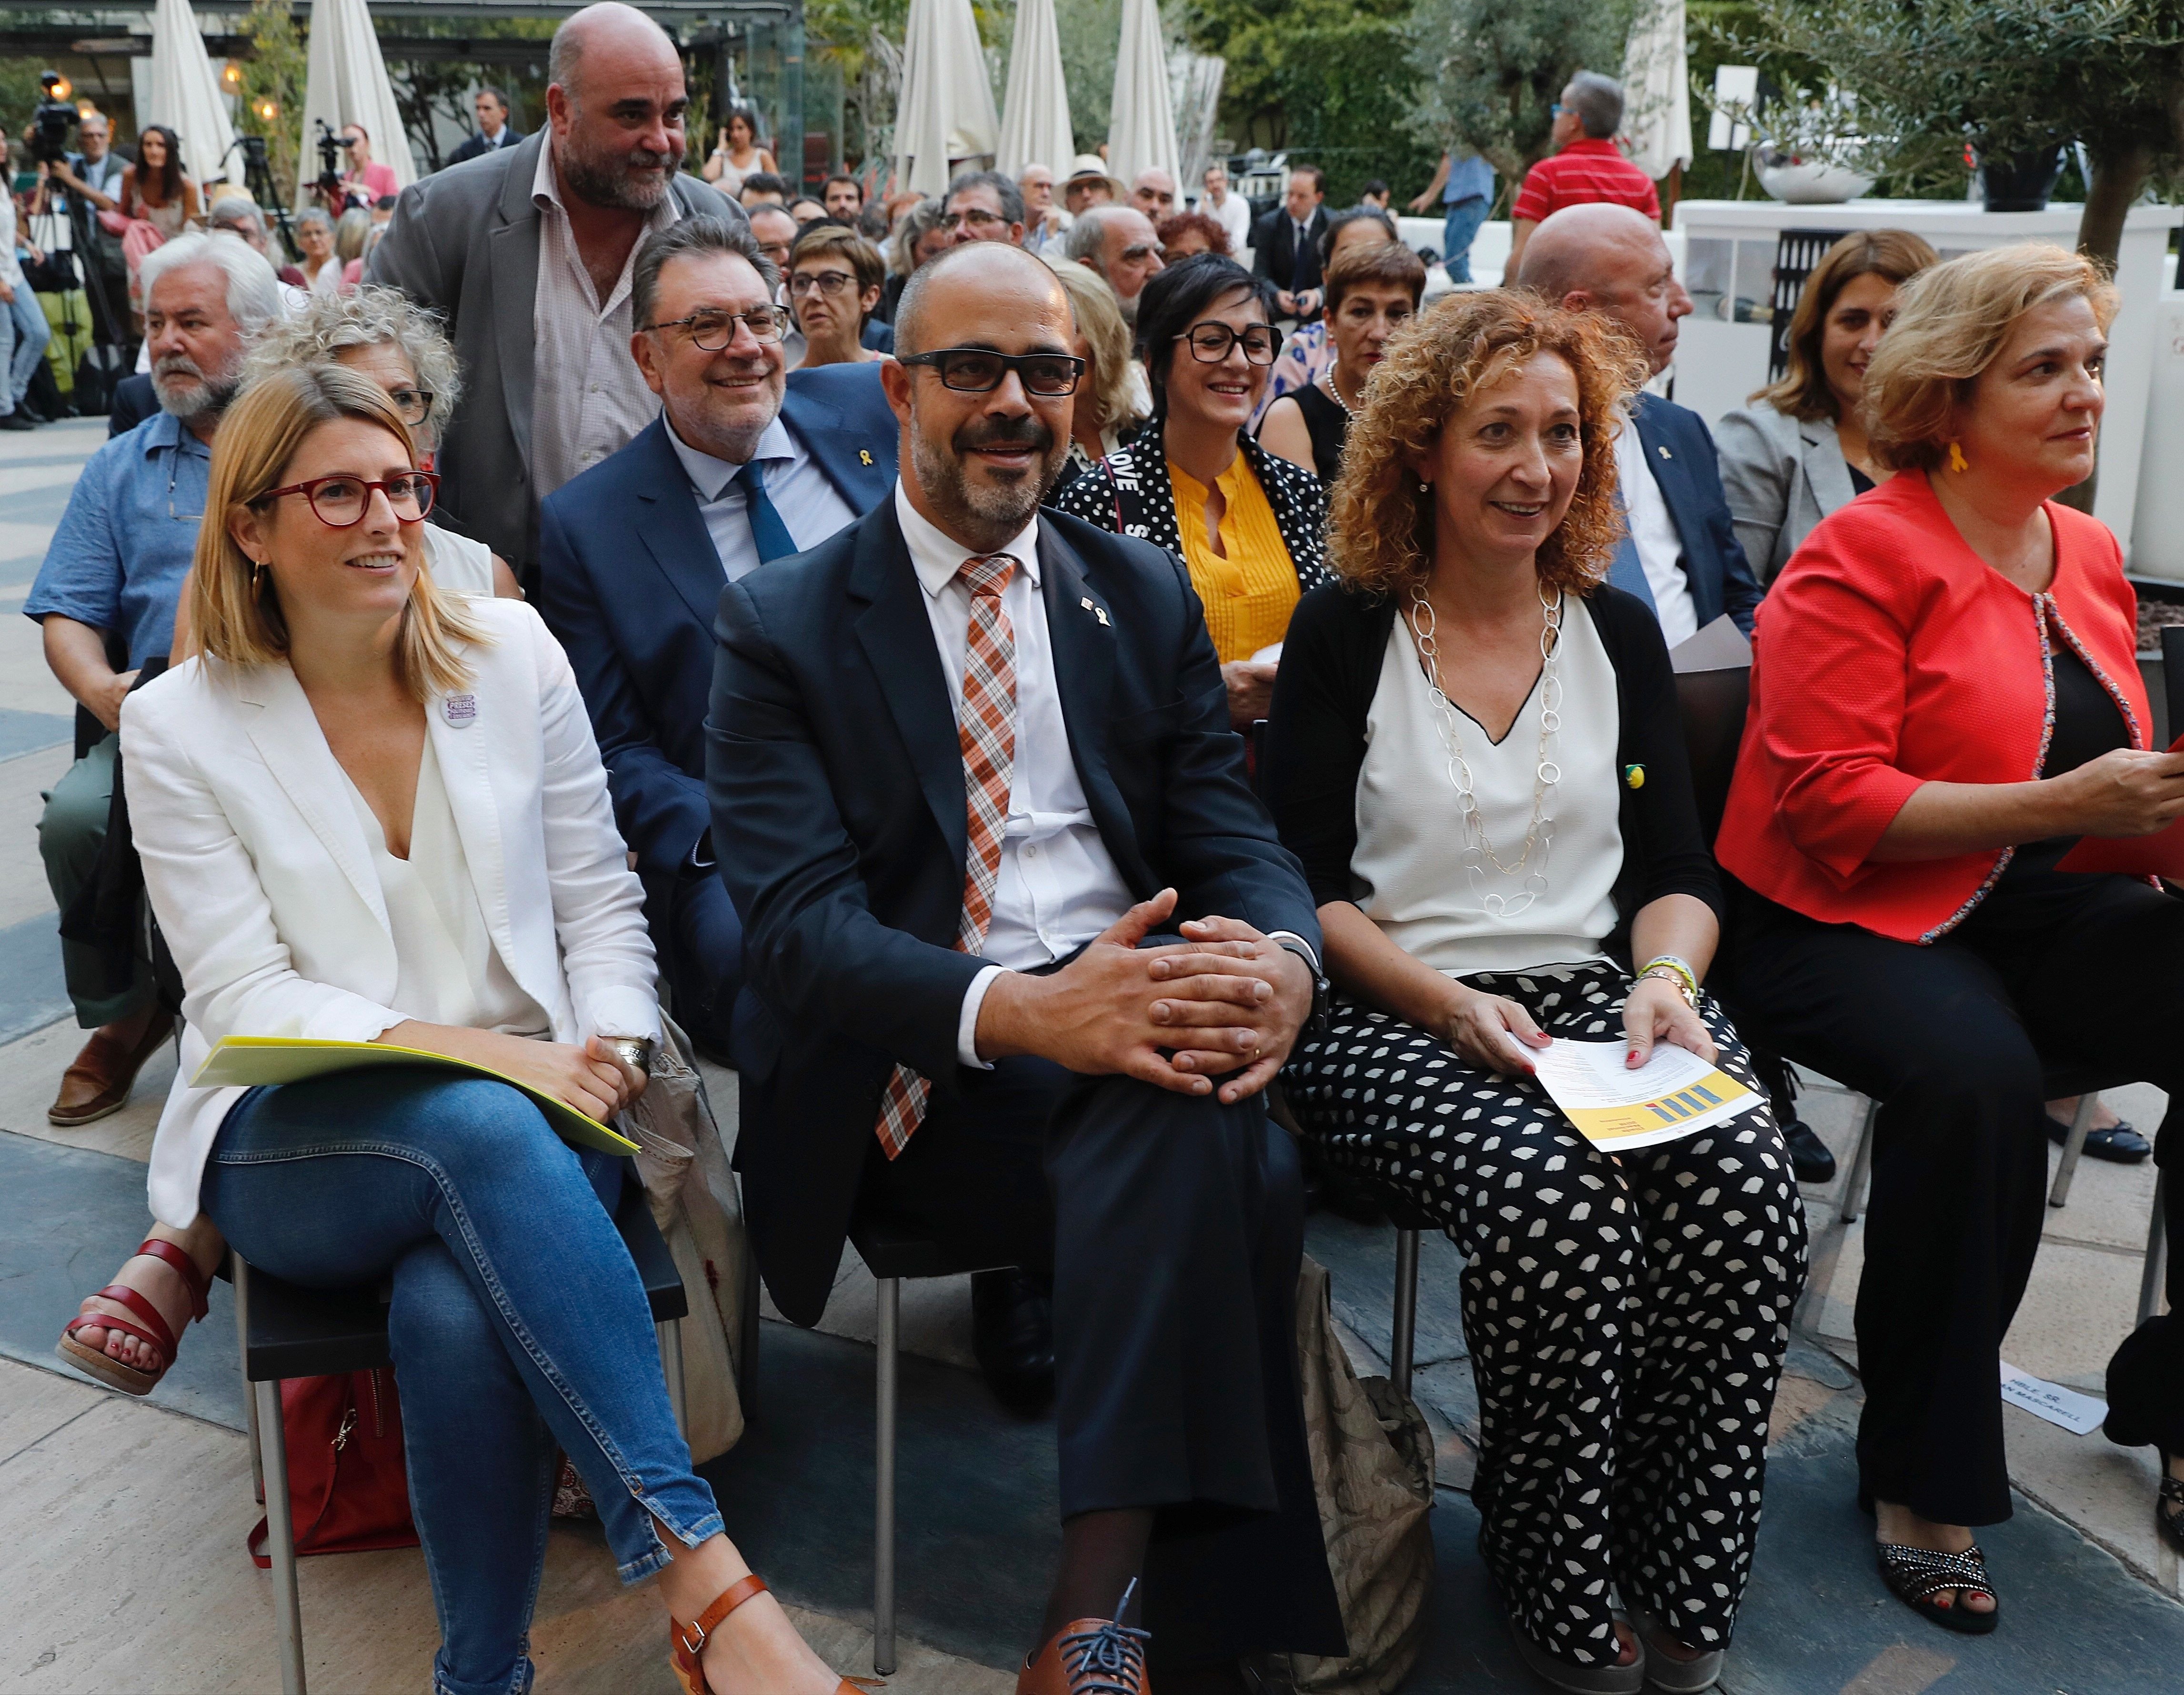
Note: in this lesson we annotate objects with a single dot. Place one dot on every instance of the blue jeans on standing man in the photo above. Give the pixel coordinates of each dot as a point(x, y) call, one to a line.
point(1464, 217)
point(23, 333)
point(518, 1325)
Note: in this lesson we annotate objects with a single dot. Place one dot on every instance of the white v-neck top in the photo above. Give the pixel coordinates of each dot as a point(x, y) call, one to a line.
point(1408, 870)
point(450, 971)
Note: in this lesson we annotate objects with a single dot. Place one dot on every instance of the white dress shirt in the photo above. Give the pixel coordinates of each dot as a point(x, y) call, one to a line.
point(1232, 212)
point(798, 488)
point(1058, 885)
point(1660, 549)
point(588, 397)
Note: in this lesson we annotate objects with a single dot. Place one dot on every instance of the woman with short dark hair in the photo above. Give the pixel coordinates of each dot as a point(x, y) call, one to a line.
point(834, 284)
point(1948, 725)
point(1246, 524)
point(1371, 292)
point(1476, 755)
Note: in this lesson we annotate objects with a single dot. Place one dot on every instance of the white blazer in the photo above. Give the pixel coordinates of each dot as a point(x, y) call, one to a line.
point(261, 877)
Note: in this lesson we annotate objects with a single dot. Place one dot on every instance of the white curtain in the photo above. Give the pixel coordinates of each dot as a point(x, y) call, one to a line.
point(1035, 115)
point(348, 84)
point(1141, 124)
point(185, 94)
point(1657, 90)
point(946, 110)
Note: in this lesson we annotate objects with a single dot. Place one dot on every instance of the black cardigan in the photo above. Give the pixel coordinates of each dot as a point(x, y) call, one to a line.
point(1315, 749)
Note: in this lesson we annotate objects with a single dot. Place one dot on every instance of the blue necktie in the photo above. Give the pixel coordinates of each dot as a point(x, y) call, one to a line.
point(767, 530)
point(1628, 571)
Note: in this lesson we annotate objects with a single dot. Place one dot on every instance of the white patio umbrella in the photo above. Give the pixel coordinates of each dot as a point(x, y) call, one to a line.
point(946, 110)
point(1657, 90)
point(348, 84)
point(185, 93)
point(1141, 122)
point(1035, 114)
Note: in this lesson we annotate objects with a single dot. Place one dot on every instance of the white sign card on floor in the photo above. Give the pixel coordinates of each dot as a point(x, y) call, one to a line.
point(1672, 1094)
point(2080, 1415)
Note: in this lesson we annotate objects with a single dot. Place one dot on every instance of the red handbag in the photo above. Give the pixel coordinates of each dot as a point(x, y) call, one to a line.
point(349, 1489)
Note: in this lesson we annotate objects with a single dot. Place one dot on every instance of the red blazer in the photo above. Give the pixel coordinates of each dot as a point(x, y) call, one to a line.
point(1888, 654)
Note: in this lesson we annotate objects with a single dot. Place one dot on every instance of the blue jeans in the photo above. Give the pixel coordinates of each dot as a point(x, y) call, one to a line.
point(518, 1325)
point(1464, 217)
point(24, 329)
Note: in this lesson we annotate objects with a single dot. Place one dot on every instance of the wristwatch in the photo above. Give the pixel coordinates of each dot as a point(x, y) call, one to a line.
point(1315, 1023)
point(635, 1050)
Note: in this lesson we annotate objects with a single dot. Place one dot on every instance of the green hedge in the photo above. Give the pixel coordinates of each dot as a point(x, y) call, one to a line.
point(1346, 92)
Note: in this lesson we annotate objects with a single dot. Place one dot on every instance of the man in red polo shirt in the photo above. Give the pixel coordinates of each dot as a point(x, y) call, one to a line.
point(1585, 166)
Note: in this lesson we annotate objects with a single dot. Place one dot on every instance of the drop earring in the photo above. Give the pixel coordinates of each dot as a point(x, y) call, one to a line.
point(1957, 460)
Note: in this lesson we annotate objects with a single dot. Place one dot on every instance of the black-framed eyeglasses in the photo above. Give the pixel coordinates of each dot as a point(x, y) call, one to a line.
point(972, 214)
point(979, 370)
point(415, 405)
point(829, 283)
point(1210, 343)
point(712, 331)
point(340, 502)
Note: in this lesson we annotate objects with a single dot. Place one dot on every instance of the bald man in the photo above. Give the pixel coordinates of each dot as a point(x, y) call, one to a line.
point(528, 253)
point(1681, 555)
point(964, 1031)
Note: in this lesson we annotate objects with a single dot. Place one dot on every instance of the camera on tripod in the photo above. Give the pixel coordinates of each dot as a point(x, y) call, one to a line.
point(51, 123)
point(330, 148)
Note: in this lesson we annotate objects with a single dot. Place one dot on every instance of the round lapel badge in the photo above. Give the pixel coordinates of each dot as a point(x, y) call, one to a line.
point(461, 709)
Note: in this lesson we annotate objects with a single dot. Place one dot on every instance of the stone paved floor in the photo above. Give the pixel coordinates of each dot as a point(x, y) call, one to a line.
point(122, 1570)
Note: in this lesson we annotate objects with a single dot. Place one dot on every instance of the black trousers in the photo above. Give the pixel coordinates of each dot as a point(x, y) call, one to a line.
point(700, 943)
point(1172, 1227)
point(1950, 1039)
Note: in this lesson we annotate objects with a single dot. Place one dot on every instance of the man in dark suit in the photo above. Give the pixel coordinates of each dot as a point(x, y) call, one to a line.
point(964, 758)
point(742, 467)
point(1680, 555)
point(494, 131)
point(134, 401)
point(1286, 245)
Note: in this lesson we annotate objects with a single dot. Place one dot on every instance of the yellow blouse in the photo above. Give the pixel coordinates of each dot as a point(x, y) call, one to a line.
point(1249, 587)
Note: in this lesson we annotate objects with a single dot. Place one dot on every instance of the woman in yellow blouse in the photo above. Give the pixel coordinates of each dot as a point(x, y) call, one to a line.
point(1248, 525)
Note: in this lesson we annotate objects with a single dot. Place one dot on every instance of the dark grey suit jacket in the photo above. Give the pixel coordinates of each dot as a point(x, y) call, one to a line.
point(464, 242)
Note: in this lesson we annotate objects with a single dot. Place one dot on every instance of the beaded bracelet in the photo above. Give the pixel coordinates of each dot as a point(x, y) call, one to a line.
point(1675, 971)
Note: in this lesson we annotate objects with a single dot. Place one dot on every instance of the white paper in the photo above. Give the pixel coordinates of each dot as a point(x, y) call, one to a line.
point(1271, 655)
point(2080, 1415)
point(1597, 1092)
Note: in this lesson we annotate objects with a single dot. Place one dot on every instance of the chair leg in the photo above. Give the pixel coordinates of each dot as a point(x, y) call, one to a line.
point(1860, 1180)
point(747, 1328)
point(2153, 1278)
point(1404, 1340)
point(280, 1538)
point(670, 1362)
point(239, 1271)
point(890, 1359)
point(2074, 1145)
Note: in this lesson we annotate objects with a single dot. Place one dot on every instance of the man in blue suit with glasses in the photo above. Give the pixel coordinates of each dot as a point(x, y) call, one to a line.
point(744, 465)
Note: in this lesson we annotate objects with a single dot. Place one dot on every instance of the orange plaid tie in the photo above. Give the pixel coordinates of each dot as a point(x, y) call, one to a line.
point(987, 733)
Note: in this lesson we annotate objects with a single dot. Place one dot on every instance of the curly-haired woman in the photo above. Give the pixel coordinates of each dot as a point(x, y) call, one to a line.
point(1475, 752)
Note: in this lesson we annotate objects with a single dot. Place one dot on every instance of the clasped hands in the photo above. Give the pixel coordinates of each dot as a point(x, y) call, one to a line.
point(1497, 1035)
point(1226, 1001)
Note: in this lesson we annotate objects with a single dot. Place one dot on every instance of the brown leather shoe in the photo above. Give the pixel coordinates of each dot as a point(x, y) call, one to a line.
point(99, 1082)
point(1089, 1657)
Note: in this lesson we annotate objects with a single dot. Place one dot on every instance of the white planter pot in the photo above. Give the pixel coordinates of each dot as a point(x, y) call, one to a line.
point(1809, 182)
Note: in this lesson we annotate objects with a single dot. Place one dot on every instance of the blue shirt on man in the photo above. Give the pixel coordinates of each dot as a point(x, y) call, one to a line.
point(126, 541)
point(1468, 179)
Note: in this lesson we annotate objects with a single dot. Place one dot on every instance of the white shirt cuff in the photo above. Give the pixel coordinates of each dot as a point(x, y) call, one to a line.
point(967, 1022)
point(1311, 952)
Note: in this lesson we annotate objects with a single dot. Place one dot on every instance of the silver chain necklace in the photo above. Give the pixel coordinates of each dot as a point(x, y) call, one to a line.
point(1478, 852)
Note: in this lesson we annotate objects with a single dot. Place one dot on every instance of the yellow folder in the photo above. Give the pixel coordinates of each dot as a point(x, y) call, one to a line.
point(245, 1061)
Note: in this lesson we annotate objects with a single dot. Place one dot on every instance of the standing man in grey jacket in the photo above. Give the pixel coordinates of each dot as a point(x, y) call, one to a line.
point(527, 252)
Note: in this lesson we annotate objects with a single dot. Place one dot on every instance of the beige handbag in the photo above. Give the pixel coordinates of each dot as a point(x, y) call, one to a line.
point(694, 1202)
point(1372, 1470)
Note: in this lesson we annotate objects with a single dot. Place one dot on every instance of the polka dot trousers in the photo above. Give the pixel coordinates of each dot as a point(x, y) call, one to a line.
point(1626, 1317)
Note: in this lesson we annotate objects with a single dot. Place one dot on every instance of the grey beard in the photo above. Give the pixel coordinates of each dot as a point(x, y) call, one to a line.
point(609, 183)
point(208, 394)
point(1129, 309)
point(985, 517)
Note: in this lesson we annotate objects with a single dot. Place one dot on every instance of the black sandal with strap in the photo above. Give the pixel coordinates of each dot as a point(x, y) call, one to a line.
point(1914, 1576)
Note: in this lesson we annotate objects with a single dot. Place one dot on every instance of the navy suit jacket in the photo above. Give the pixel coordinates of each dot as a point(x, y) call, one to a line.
point(1679, 451)
point(838, 819)
point(628, 579)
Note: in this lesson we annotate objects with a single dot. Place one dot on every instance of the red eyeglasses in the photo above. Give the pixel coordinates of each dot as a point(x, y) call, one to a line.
point(341, 502)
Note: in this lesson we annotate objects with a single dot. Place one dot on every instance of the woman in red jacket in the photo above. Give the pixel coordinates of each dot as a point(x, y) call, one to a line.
point(1945, 700)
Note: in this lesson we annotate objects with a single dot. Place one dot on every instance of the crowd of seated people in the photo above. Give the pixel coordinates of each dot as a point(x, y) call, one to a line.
point(943, 836)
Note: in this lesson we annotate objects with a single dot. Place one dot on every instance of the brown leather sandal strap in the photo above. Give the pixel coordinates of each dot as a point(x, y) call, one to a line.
point(692, 1635)
point(122, 1296)
point(158, 1248)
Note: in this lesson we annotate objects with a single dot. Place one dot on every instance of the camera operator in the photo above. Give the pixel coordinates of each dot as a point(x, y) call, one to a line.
point(95, 174)
point(364, 183)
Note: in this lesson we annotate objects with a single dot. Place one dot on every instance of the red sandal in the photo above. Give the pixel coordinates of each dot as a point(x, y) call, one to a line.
point(110, 1371)
point(689, 1641)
